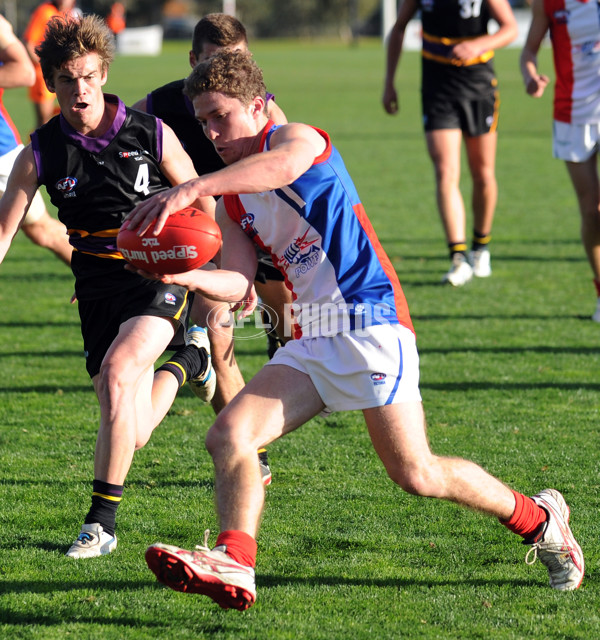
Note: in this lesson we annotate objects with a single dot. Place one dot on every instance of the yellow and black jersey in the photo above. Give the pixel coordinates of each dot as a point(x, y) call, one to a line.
point(446, 23)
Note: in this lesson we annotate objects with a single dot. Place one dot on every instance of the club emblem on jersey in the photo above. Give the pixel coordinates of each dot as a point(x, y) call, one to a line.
point(378, 378)
point(170, 298)
point(66, 186)
point(247, 224)
point(302, 253)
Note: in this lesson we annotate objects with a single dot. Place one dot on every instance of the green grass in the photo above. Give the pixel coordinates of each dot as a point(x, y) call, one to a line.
point(509, 376)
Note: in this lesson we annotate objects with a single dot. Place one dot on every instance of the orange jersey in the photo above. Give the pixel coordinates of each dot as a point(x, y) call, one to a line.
point(34, 34)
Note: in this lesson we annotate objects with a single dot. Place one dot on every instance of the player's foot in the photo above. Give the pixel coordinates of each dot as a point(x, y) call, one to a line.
point(205, 384)
point(210, 572)
point(555, 545)
point(480, 261)
point(92, 542)
point(460, 271)
point(596, 316)
point(265, 469)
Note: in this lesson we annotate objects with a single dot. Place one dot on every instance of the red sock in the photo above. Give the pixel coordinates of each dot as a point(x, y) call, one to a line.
point(240, 546)
point(597, 285)
point(527, 517)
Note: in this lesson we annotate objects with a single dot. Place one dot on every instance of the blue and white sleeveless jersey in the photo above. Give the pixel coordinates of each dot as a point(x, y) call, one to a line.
point(320, 238)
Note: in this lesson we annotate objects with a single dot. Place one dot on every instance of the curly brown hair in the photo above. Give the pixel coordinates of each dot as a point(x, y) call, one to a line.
point(232, 73)
point(70, 37)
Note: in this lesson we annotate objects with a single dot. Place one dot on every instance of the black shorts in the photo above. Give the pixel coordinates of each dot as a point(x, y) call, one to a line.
point(266, 270)
point(101, 318)
point(473, 117)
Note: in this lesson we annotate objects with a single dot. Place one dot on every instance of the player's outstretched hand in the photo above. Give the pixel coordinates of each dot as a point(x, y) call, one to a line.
point(158, 208)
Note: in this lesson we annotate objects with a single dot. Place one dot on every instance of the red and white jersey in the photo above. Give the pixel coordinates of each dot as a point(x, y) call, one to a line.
point(575, 33)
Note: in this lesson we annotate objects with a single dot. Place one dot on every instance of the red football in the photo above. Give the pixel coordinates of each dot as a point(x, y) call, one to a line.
point(189, 239)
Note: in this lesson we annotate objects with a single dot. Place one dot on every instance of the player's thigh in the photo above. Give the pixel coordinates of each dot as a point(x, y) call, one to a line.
point(398, 434)
point(276, 401)
point(139, 343)
point(444, 146)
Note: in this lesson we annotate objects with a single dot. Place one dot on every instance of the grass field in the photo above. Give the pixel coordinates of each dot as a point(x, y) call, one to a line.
point(510, 373)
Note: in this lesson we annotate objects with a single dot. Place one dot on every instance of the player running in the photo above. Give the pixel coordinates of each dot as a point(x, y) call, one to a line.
point(357, 349)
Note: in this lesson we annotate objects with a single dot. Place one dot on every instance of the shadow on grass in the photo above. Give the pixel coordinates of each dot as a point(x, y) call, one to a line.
point(50, 354)
point(36, 325)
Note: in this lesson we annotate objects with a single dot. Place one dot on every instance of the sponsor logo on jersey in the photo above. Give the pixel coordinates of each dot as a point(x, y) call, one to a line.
point(303, 254)
point(66, 185)
point(590, 48)
point(170, 298)
point(129, 154)
point(561, 16)
point(378, 378)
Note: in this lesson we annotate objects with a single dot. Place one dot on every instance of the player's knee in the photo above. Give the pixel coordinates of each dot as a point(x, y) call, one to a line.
point(226, 438)
point(418, 479)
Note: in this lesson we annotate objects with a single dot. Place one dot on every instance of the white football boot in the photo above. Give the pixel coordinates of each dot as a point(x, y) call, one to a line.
point(205, 384)
point(480, 261)
point(556, 546)
point(210, 572)
point(92, 542)
point(460, 271)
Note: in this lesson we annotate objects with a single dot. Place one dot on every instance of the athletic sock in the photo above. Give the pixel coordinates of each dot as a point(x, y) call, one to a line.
point(457, 247)
point(240, 546)
point(188, 362)
point(528, 517)
point(106, 498)
point(480, 240)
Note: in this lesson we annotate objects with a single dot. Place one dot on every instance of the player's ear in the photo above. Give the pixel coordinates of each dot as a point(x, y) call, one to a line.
point(193, 59)
point(258, 106)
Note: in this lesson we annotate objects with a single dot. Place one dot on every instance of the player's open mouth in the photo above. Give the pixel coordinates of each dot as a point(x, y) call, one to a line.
point(80, 106)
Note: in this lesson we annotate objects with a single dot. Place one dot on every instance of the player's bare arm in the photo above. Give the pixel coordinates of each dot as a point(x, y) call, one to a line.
point(294, 148)
point(394, 50)
point(14, 204)
point(535, 83)
point(17, 69)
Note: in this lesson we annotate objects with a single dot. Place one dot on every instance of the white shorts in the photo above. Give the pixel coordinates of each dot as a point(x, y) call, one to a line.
point(575, 142)
point(37, 208)
point(377, 366)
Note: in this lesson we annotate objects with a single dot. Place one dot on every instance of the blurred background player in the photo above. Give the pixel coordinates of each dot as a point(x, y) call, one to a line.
point(459, 101)
point(109, 158)
point(574, 26)
point(43, 100)
point(116, 17)
point(17, 70)
point(215, 32)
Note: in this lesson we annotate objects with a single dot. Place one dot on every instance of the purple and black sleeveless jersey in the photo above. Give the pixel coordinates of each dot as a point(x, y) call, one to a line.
point(94, 183)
